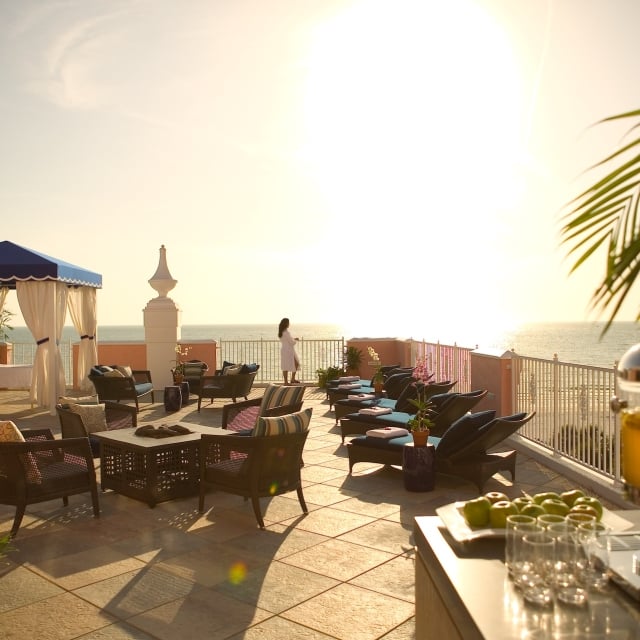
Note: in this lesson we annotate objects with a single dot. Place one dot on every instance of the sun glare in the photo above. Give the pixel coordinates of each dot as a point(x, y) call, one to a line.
point(412, 113)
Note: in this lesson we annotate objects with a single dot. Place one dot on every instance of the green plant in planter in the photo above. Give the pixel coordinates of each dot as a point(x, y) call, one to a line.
point(325, 375)
point(353, 359)
point(5, 544)
point(5, 318)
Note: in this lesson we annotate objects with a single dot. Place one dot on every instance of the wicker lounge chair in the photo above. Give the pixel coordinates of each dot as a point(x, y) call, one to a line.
point(119, 388)
point(463, 451)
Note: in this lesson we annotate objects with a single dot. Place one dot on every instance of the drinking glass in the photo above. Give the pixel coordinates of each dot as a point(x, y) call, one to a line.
point(579, 518)
point(549, 518)
point(568, 567)
point(595, 538)
point(515, 528)
point(538, 549)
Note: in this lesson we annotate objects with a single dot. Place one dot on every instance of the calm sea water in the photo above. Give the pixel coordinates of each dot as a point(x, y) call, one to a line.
point(577, 342)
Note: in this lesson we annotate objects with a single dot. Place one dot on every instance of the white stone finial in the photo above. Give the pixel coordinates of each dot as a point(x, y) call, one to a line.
point(161, 280)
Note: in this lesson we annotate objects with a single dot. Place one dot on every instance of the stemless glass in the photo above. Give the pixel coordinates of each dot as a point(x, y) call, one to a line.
point(595, 538)
point(549, 518)
point(536, 580)
point(515, 528)
point(578, 518)
point(568, 567)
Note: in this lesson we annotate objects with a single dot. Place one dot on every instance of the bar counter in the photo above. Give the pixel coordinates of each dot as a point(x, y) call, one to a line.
point(462, 592)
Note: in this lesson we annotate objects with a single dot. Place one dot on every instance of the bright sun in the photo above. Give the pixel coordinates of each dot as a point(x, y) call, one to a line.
point(412, 110)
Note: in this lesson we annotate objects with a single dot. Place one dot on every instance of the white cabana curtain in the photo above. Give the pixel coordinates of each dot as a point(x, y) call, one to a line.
point(44, 306)
point(82, 308)
point(3, 296)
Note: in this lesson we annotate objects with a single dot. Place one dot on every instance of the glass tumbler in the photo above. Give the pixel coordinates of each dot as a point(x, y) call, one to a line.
point(515, 528)
point(595, 538)
point(536, 580)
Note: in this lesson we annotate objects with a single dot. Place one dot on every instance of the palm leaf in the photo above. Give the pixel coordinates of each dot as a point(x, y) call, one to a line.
point(606, 214)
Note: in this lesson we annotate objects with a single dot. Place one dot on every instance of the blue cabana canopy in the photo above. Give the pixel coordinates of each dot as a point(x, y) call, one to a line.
point(18, 264)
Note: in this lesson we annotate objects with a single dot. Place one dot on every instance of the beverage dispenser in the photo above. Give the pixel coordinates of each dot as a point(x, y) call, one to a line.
point(627, 404)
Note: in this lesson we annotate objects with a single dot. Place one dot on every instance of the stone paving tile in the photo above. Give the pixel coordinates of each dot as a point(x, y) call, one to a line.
point(384, 535)
point(325, 495)
point(61, 617)
point(331, 522)
point(405, 631)
point(278, 628)
point(393, 578)
point(276, 586)
point(20, 587)
point(368, 505)
point(132, 593)
point(345, 612)
point(319, 473)
point(212, 564)
point(201, 614)
point(275, 542)
point(79, 569)
point(339, 559)
point(117, 631)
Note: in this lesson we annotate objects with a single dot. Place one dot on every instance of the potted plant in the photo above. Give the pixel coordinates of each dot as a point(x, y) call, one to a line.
point(326, 375)
point(353, 360)
point(5, 317)
point(378, 376)
point(178, 370)
point(421, 422)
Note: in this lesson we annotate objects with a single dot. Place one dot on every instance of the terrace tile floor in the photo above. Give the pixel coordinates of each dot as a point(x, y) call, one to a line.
point(344, 571)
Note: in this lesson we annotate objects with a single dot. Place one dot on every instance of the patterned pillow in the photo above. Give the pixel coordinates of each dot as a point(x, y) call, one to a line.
point(114, 373)
point(9, 432)
point(276, 395)
point(232, 371)
point(293, 423)
point(93, 417)
point(125, 371)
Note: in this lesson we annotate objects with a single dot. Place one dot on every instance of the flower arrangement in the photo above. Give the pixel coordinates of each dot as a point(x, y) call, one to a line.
point(422, 420)
point(180, 353)
point(377, 376)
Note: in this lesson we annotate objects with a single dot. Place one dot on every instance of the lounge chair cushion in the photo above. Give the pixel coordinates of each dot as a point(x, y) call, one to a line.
point(463, 430)
point(279, 425)
point(93, 416)
point(143, 387)
point(382, 443)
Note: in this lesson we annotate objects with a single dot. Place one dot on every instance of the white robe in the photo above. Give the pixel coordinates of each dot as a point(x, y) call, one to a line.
point(289, 360)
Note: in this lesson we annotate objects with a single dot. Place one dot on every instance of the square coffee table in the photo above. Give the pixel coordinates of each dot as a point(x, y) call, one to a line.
point(152, 469)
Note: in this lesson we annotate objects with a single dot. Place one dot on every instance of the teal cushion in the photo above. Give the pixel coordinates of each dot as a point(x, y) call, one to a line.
point(463, 431)
point(143, 387)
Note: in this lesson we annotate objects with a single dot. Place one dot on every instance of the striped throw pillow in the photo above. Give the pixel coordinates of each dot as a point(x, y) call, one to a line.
point(276, 395)
point(292, 423)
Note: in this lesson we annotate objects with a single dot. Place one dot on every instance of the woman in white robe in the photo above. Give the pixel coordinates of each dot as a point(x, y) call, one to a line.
point(289, 360)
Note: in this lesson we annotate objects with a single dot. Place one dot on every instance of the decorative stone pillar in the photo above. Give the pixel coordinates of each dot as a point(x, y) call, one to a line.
point(161, 325)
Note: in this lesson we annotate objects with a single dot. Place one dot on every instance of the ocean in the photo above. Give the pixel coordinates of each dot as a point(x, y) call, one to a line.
point(576, 342)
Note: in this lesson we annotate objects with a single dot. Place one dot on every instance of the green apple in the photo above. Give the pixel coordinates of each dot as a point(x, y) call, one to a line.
point(555, 506)
point(592, 502)
point(539, 498)
point(521, 502)
point(570, 496)
point(476, 512)
point(585, 508)
point(496, 496)
point(532, 509)
point(499, 511)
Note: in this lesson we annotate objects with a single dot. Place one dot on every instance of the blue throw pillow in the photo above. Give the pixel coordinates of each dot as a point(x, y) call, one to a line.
point(462, 431)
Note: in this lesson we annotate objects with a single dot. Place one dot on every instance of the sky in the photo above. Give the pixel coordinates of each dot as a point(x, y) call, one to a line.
point(387, 165)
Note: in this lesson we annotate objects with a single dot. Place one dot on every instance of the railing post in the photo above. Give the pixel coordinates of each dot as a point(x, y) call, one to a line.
point(555, 394)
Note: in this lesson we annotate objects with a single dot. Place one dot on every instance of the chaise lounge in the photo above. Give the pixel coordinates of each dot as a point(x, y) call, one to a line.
point(464, 450)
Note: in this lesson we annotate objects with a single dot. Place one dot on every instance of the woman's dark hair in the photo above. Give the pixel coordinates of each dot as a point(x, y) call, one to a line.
point(284, 324)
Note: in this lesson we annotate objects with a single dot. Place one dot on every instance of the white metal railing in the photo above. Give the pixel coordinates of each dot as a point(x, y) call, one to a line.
point(572, 402)
point(573, 414)
point(446, 362)
point(314, 355)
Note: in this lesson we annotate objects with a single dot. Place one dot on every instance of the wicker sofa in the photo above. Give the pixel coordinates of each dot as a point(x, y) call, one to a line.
point(226, 384)
point(129, 385)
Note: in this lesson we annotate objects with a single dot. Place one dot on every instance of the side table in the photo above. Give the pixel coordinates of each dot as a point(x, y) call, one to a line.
point(184, 392)
point(419, 467)
point(172, 398)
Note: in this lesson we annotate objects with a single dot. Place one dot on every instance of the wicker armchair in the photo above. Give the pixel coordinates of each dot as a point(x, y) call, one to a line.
point(132, 387)
point(225, 386)
point(43, 468)
point(118, 416)
point(256, 467)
